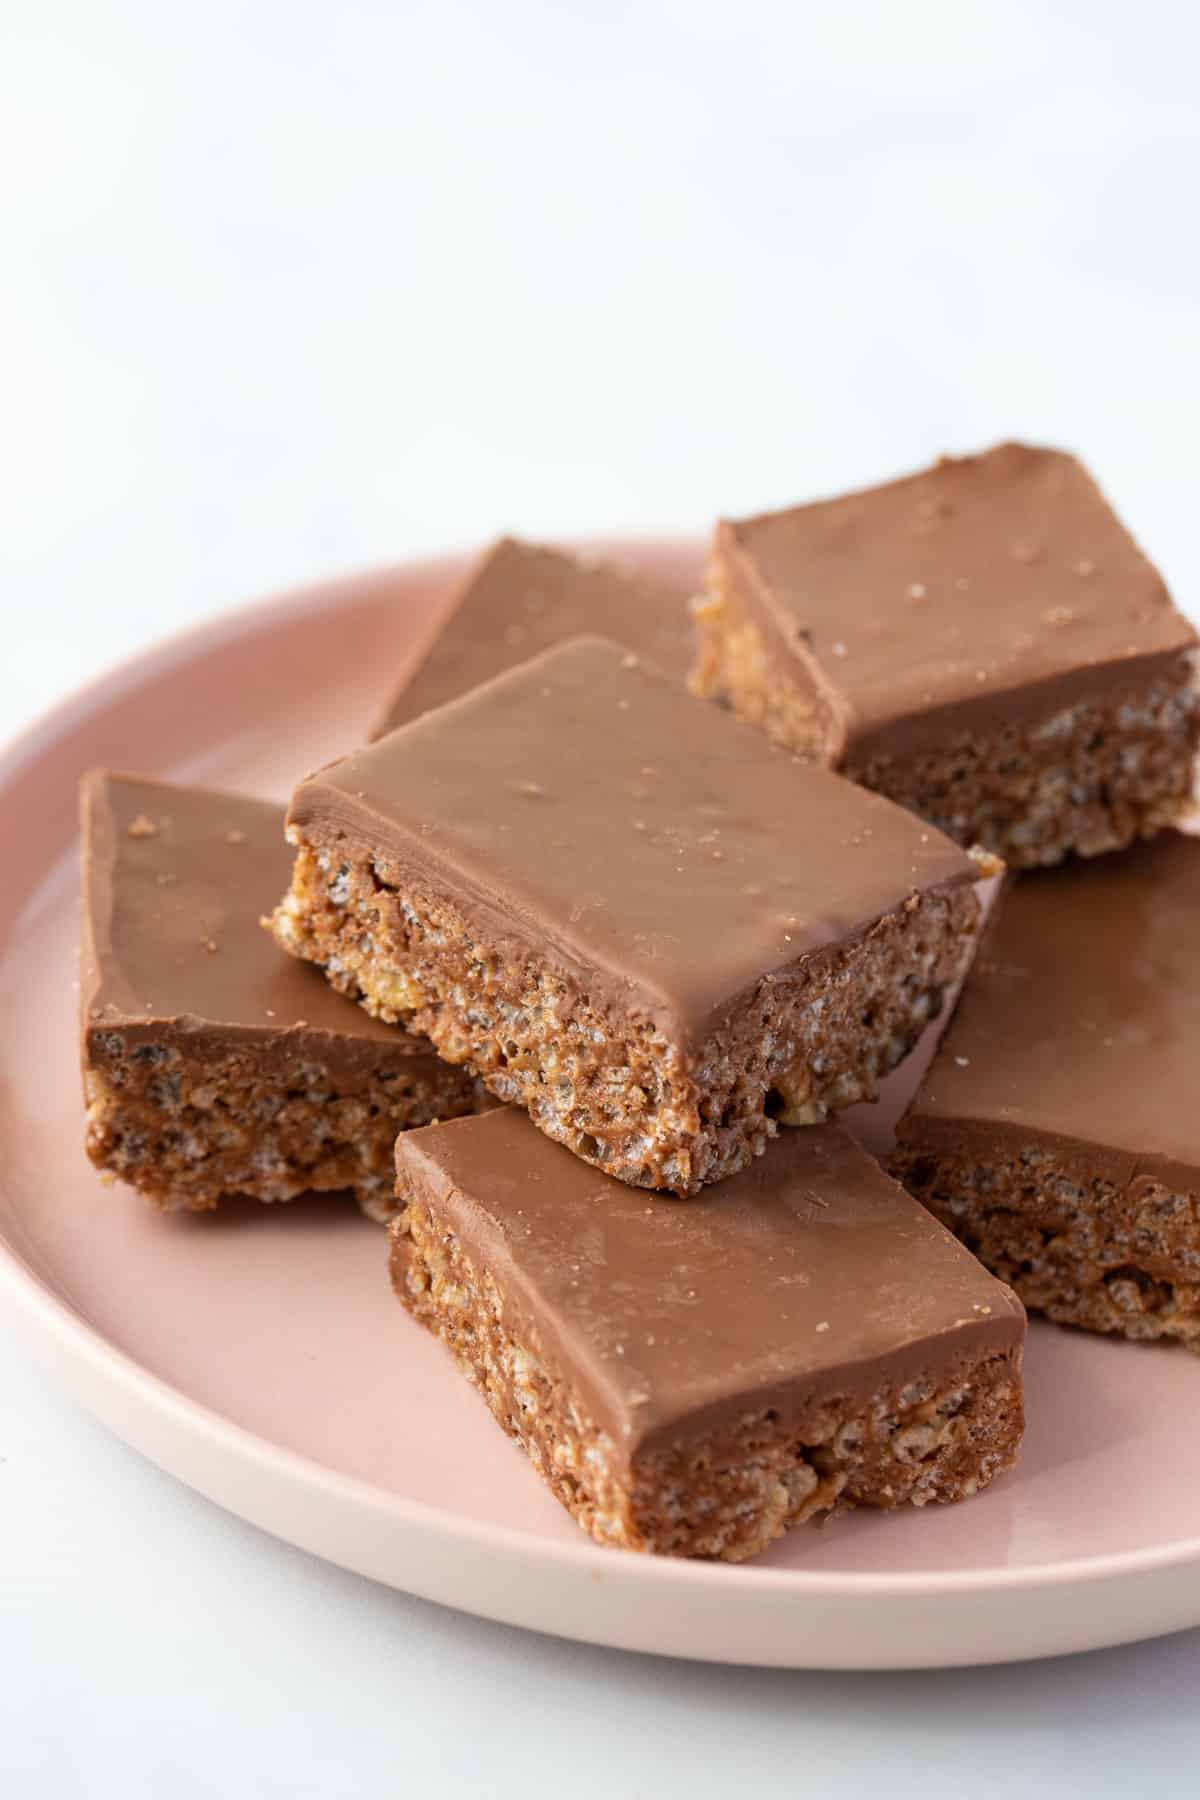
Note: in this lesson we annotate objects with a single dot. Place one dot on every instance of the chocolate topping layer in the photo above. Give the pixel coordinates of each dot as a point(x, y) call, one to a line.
point(802, 1278)
point(1080, 1021)
point(521, 599)
point(983, 588)
point(653, 844)
point(175, 882)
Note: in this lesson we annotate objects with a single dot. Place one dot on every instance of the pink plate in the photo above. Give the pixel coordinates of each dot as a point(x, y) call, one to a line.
point(259, 1355)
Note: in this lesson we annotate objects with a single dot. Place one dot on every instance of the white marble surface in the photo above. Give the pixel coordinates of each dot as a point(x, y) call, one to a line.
point(292, 288)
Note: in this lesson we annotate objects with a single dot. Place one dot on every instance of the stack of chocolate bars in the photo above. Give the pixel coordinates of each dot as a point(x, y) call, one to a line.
point(568, 973)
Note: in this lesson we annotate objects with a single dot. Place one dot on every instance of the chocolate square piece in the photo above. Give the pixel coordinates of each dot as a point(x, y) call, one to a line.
point(983, 642)
point(521, 599)
point(634, 917)
point(694, 1380)
point(213, 1065)
point(1056, 1131)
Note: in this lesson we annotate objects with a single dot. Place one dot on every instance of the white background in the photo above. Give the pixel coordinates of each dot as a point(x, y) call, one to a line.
point(292, 288)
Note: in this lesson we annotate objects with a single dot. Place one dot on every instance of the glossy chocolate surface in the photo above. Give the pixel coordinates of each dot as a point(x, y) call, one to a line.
point(1080, 1021)
point(808, 1276)
point(520, 599)
point(984, 589)
point(648, 843)
point(175, 883)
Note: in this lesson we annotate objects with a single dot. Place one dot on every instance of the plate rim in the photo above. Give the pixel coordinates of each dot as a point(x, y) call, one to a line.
point(109, 1380)
point(58, 1324)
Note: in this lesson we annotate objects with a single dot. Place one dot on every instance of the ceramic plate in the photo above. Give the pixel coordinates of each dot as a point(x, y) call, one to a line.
point(259, 1356)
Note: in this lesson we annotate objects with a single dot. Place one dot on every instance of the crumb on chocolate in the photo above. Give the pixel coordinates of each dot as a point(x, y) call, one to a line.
point(141, 827)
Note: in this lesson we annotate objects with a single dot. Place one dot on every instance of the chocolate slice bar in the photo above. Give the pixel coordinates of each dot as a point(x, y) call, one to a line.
point(695, 1380)
point(212, 1065)
point(521, 599)
point(1056, 1130)
point(984, 642)
point(637, 919)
